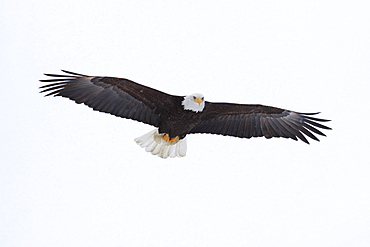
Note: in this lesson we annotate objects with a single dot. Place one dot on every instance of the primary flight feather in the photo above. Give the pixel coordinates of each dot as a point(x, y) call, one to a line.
point(176, 116)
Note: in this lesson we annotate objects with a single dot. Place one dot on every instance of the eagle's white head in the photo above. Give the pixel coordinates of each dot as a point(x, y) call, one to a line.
point(194, 102)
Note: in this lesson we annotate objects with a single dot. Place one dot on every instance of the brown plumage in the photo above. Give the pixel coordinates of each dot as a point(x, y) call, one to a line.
point(127, 99)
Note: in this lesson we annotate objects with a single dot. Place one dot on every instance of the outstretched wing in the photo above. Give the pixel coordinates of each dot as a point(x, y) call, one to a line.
point(248, 121)
point(117, 96)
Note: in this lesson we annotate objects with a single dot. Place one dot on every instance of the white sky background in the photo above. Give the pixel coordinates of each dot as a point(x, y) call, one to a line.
point(70, 176)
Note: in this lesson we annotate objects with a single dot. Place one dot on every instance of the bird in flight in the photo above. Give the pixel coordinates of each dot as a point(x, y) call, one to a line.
point(177, 116)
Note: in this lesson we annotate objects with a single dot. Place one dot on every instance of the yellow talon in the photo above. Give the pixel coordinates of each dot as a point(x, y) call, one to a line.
point(167, 138)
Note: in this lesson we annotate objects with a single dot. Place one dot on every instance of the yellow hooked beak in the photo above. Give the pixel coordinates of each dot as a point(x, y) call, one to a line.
point(198, 100)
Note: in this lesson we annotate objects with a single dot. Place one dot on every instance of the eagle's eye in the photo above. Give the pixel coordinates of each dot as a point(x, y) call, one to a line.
point(194, 98)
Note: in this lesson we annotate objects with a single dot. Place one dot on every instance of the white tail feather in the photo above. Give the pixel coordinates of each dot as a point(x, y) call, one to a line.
point(153, 143)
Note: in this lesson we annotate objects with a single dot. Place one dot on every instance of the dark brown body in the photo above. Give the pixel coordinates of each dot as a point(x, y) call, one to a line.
point(176, 121)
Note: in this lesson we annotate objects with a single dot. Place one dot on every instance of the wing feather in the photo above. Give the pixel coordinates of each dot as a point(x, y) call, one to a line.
point(232, 128)
point(284, 129)
point(241, 126)
point(291, 132)
point(265, 128)
point(277, 131)
point(248, 121)
point(307, 126)
point(257, 130)
point(247, 127)
point(295, 129)
point(316, 124)
point(117, 96)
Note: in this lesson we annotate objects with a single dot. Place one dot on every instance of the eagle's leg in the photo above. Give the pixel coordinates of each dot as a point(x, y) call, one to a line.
point(167, 138)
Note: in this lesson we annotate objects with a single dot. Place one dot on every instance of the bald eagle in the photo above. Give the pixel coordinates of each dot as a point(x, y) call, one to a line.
point(177, 116)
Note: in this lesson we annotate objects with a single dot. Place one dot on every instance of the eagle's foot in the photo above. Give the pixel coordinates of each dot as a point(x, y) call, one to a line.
point(167, 138)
